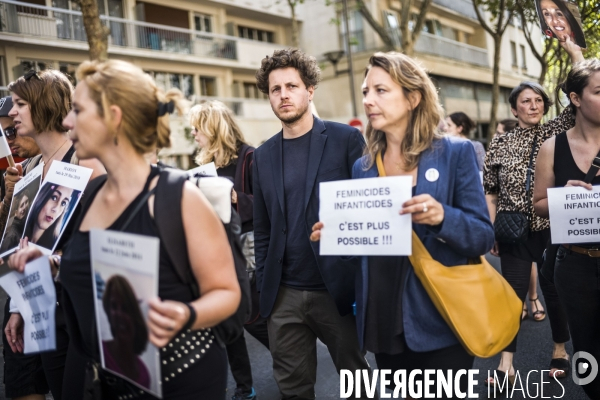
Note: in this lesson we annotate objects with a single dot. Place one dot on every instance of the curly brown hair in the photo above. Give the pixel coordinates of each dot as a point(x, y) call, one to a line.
point(307, 67)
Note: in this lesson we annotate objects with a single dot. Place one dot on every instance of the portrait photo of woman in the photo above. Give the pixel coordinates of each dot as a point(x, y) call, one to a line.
point(128, 329)
point(21, 204)
point(51, 210)
point(560, 19)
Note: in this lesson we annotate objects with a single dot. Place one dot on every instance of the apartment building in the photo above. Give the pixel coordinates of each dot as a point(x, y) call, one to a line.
point(207, 48)
point(453, 47)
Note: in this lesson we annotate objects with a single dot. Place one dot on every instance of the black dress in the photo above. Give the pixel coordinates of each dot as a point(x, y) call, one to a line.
point(205, 379)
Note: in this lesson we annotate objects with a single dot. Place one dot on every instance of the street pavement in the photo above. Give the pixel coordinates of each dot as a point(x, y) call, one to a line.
point(534, 353)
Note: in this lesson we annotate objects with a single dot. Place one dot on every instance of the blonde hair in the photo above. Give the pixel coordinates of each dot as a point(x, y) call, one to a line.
point(116, 82)
point(216, 122)
point(424, 118)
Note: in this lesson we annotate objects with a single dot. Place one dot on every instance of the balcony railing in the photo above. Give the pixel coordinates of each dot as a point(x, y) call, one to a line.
point(56, 23)
point(448, 48)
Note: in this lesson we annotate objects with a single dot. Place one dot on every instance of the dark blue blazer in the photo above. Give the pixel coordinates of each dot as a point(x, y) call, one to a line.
point(466, 232)
point(333, 150)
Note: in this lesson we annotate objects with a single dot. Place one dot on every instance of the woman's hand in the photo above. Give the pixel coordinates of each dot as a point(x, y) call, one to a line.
point(233, 196)
point(582, 184)
point(14, 333)
point(12, 176)
point(21, 257)
point(424, 209)
point(572, 49)
point(165, 320)
point(315, 236)
point(495, 250)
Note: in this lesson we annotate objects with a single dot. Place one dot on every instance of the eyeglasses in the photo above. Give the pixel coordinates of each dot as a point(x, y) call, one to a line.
point(31, 74)
point(10, 133)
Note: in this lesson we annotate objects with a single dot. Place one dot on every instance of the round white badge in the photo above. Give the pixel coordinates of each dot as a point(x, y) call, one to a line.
point(432, 174)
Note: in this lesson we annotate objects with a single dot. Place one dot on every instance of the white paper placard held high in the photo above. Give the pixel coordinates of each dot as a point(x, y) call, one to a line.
point(34, 294)
point(574, 215)
point(361, 217)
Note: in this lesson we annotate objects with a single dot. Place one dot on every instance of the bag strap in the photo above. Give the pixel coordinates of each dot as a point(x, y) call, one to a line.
point(143, 201)
point(591, 174)
point(169, 224)
point(528, 180)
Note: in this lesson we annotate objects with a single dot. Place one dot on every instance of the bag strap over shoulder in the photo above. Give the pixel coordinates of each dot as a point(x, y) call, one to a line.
point(591, 174)
point(167, 215)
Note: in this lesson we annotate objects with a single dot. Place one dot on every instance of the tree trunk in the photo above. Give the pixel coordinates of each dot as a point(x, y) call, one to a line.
point(495, 87)
point(295, 29)
point(97, 33)
point(377, 27)
point(408, 47)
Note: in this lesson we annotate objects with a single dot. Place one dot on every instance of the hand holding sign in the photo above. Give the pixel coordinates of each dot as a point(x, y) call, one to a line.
point(424, 209)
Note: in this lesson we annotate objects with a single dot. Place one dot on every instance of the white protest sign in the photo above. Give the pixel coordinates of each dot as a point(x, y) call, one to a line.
point(361, 217)
point(125, 278)
point(54, 204)
point(574, 214)
point(35, 297)
point(24, 193)
point(206, 169)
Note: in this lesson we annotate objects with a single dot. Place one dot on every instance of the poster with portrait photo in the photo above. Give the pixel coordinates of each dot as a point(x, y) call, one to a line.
point(54, 204)
point(560, 19)
point(24, 193)
point(125, 278)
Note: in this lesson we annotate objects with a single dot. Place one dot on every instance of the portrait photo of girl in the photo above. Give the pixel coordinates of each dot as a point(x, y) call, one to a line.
point(19, 209)
point(49, 214)
point(560, 19)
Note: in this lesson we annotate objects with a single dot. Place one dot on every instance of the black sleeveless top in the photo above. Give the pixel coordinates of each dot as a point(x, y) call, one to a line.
point(76, 274)
point(565, 167)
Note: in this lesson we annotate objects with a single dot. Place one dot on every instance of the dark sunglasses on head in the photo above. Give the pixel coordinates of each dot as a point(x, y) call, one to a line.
point(31, 74)
point(10, 133)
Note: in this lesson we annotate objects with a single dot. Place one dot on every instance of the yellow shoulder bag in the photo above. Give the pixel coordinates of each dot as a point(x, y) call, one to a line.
point(476, 302)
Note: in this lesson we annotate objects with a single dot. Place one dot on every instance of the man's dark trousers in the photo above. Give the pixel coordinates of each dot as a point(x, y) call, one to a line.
point(296, 317)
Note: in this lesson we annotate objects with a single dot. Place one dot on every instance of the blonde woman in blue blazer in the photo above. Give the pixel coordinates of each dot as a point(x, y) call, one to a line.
point(396, 319)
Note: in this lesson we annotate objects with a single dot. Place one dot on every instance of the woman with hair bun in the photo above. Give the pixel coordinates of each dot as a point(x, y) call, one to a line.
point(118, 116)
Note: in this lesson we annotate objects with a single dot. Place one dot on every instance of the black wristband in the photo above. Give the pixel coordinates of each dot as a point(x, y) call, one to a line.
point(192, 319)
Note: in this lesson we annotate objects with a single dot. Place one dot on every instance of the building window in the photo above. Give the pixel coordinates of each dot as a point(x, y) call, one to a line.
point(523, 57)
point(208, 86)
point(202, 23)
point(357, 34)
point(513, 53)
point(256, 34)
point(166, 80)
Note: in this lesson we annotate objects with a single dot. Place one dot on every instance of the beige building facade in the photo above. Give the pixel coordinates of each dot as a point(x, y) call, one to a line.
point(454, 48)
point(210, 49)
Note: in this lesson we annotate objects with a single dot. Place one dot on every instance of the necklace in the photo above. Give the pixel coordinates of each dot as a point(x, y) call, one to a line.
point(53, 154)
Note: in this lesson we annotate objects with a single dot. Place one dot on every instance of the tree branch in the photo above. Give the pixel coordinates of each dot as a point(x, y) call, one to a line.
point(377, 27)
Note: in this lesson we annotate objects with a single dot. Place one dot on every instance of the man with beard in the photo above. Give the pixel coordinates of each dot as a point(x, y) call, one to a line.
point(303, 295)
point(24, 376)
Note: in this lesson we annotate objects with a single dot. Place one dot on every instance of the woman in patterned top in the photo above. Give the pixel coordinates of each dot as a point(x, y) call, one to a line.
point(504, 181)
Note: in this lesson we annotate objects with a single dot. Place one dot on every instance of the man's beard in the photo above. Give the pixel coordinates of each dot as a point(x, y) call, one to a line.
point(292, 118)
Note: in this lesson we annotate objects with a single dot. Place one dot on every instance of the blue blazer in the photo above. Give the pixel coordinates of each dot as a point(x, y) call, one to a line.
point(333, 150)
point(466, 232)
